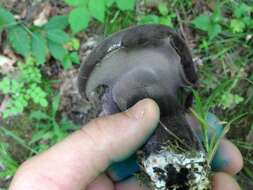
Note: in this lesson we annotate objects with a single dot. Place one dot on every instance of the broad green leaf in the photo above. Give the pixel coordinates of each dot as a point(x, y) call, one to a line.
point(202, 22)
point(39, 48)
point(97, 9)
point(109, 3)
point(57, 50)
point(58, 36)
point(57, 22)
point(6, 18)
point(126, 4)
point(20, 40)
point(79, 19)
point(213, 30)
point(76, 2)
point(163, 9)
point(241, 10)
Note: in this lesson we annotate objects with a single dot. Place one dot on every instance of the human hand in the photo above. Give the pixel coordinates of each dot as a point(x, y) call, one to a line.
point(81, 160)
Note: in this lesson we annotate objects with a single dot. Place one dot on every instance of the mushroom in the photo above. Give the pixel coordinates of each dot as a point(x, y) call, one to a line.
point(151, 61)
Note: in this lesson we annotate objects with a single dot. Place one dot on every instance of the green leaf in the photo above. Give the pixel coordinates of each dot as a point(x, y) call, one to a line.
point(166, 21)
point(38, 95)
point(163, 9)
point(109, 3)
point(238, 99)
point(75, 57)
point(38, 135)
point(67, 124)
point(214, 30)
point(6, 18)
point(57, 22)
point(229, 100)
point(39, 115)
point(16, 86)
point(39, 48)
point(126, 4)
point(217, 16)
point(202, 22)
point(75, 2)
point(79, 19)
point(57, 50)
point(149, 19)
point(43, 102)
point(18, 103)
point(247, 21)
point(241, 10)
point(75, 43)
point(5, 85)
point(58, 36)
point(67, 63)
point(20, 40)
point(237, 25)
point(97, 9)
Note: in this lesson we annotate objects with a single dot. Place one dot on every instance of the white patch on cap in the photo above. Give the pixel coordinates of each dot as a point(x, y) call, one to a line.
point(114, 46)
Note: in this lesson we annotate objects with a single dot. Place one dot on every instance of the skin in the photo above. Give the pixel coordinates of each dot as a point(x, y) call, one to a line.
point(80, 161)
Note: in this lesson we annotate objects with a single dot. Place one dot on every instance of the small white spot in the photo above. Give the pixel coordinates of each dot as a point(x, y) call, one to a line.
point(114, 46)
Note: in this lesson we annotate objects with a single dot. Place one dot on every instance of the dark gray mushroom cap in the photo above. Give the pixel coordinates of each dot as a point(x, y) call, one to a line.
point(144, 61)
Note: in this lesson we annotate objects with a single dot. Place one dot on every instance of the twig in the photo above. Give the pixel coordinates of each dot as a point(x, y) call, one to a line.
point(181, 26)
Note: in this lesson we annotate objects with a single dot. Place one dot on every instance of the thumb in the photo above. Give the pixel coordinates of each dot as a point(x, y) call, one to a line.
point(77, 160)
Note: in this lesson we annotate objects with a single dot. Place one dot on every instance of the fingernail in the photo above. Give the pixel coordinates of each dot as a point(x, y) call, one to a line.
point(216, 128)
point(122, 170)
point(138, 110)
point(219, 162)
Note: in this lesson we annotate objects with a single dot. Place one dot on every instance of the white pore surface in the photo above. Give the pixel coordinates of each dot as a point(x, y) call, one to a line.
point(197, 166)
